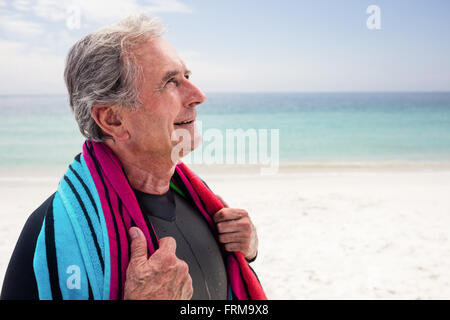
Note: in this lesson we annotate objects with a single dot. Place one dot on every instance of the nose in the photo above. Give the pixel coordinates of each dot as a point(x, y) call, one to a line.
point(194, 96)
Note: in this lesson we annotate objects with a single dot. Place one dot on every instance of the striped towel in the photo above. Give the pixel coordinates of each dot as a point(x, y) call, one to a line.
point(82, 251)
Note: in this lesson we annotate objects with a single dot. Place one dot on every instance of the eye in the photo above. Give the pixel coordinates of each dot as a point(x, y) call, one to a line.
point(177, 82)
point(173, 80)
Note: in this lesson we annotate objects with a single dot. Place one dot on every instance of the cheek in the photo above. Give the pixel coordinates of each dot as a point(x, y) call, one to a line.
point(156, 121)
point(144, 128)
point(167, 107)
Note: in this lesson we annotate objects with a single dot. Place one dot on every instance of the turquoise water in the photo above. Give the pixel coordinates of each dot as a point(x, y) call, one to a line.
point(313, 127)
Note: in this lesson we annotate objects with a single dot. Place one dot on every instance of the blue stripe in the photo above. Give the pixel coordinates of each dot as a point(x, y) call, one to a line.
point(72, 258)
point(87, 219)
point(84, 173)
point(71, 263)
point(87, 229)
point(40, 267)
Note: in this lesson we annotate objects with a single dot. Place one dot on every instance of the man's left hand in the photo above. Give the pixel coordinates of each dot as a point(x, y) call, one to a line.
point(236, 230)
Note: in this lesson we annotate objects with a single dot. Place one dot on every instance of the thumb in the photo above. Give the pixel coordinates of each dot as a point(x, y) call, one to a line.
point(138, 244)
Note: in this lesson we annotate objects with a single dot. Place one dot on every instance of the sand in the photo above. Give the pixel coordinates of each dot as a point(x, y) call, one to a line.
point(336, 233)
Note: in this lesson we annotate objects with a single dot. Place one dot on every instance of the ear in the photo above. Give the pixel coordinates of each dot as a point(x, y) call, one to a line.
point(109, 119)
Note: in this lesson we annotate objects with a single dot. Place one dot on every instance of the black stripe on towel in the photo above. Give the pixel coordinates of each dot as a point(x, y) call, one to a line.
point(89, 222)
point(50, 248)
point(120, 207)
point(91, 295)
point(118, 262)
point(85, 187)
point(119, 248)
point(150, 231)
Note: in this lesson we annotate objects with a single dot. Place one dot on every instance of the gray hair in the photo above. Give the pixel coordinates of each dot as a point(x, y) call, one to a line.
point(101, 69)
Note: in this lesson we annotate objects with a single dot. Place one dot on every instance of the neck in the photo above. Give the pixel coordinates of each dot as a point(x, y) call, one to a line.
point(150, 174)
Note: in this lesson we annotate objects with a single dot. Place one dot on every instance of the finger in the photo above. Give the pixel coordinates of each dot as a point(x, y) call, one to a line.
point(227, 226)
point(167, 244)
point(238, 237)
point(239, 225)
point(234, 247)
point(223, 201)
point(242, 248)
point(226, 214)
point(138, 245)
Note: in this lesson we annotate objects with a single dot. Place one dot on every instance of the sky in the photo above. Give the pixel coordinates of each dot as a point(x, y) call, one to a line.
point(246, 45)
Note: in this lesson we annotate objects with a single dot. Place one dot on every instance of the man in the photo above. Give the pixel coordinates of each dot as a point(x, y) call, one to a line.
point(97, 236)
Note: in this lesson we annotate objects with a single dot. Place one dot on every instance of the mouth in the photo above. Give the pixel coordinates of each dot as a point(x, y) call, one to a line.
point(185, 122)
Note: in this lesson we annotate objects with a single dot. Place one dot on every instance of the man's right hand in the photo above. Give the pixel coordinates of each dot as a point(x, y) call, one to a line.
point(161, 277)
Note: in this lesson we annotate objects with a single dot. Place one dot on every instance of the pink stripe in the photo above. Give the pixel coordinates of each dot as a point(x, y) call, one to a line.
point(235, 278)
point(109, 222)
point(113, 171)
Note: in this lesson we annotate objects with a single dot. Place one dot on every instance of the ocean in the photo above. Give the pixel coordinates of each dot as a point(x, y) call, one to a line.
point(313, 128)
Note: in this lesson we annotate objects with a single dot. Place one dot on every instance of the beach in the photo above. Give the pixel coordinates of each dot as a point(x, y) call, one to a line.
point(331, 232)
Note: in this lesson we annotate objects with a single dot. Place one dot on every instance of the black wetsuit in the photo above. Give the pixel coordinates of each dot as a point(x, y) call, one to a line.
point(170, 215)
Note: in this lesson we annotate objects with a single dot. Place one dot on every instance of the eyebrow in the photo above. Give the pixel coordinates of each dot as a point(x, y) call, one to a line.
point(171, 74)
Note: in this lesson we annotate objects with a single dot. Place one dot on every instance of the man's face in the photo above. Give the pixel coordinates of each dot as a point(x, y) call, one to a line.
point(168, 98)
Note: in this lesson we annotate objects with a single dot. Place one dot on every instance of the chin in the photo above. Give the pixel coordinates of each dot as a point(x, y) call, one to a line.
point(184, 142)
